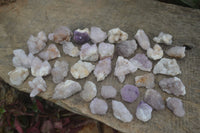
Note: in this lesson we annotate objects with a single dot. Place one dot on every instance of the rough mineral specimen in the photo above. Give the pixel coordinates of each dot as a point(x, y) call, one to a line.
point(37, 85)
point(108, 92)
point(142, 62)
point(155, 53)
point(121, 112)
point(153, 98)
point(106, 50)
point(51, 52)
point(177, 51)
point(89, 52)
point(39, 68)
point(97, 35)
point(81, 69)
point(89, 91)
point(98, 106)
point(143, 111)
point(102, 69)
point(176, 106)
point(36, 44)
point(70, 49)
point(126, 48)
point(62, 33)
point(116, 35)
point(163, 38)
point(172, 86)
point(123, 67)
point(18, 75)
point(129, 93)
point(167, 66)
point(142, 39)
point(66, 89)
point(146, 80)
point(81, 36)
point(59, 72)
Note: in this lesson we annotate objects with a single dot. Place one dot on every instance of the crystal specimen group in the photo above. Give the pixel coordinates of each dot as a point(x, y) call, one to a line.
point(146, 80)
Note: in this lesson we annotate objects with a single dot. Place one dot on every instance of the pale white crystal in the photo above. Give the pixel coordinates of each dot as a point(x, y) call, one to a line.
point(85, 30)
point(59, 72)
point(177, 51)
point(98, 106)
point(102, 69)
point(163, 38)
point(123, 67)
point(143, 111)
point(70, 49)
point(155, 53)
point(167, 66)
point(146, 80)
point(108, 92)
point(116, 35)
point(97, 35)
point(66, 89)
point(126, 48)
point(51, 52)
point(106, 50)
point(18, 75)
point(89, 52)
point(81, 69)
point(142, 39)
point(89, 91)
point(37, 85)
point(121, 112)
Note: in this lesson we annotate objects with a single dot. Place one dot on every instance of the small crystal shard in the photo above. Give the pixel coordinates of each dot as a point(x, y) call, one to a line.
point(97, 35)
point(153, 98)
point(129, 93)
point(177, 52)
point(123, 67)
point(126, 48)
point(143, 111)
point(81, 69)
point(146, 80)
point(121, 112)
point(167, 66)
point(70, 49)
point(116, 35)
point(89, 52)
point(59, 71)
point(18, 75)
point(106, 50)
point(155, 53)
point(102, 69)
point(81, 36)
point(108, 92)
point(37, 85)
point(163, 38)
point(172, 86)
point(176, 106)
point(51, 52)
point(89, 91)
point(66, 89)
point(142, 39)
point(98, 106)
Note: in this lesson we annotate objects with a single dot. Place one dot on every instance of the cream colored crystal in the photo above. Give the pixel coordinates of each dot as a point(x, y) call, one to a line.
point(89, 52)
point(116, 35)
point(51, 52)
point(177, 52)
point(163, 38)
point(155, 53)
point(70, 49)
point(38, 85)
point(106, 50)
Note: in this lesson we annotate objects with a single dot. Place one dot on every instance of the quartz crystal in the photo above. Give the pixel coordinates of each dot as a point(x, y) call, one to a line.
point(70, 49)
point(51, 52)
point(89, 52)
point(177, 51)
point(98, 106)
point(167, 66)
point(123, 67)
point(36, 44)
point(143, 111)
point(176, 106)
point(172, 86)
point(81, 36)
point(153, 98)
point(97, 35)
point(37, 85)
point(59, 71)
point(89, 91)
point(116, 35)
point(121, 112)
point(146, 80)
point(106, 50)
point(126, 48)
point(66, 89)
point(81, 69)
point(129, 93)
point(163, 38)
point(142, 39)
point(103, 69)
point(155, 53)
point(18, 75)
point(108, 92)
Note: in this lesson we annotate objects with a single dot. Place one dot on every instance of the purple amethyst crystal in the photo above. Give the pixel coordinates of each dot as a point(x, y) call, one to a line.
point(81, 36)
point(129, 93)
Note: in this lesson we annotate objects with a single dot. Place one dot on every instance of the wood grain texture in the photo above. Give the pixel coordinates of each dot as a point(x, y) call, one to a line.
point(23, 18)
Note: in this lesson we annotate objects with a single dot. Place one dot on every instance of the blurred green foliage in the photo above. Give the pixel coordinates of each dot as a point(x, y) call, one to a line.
point(192, 3)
